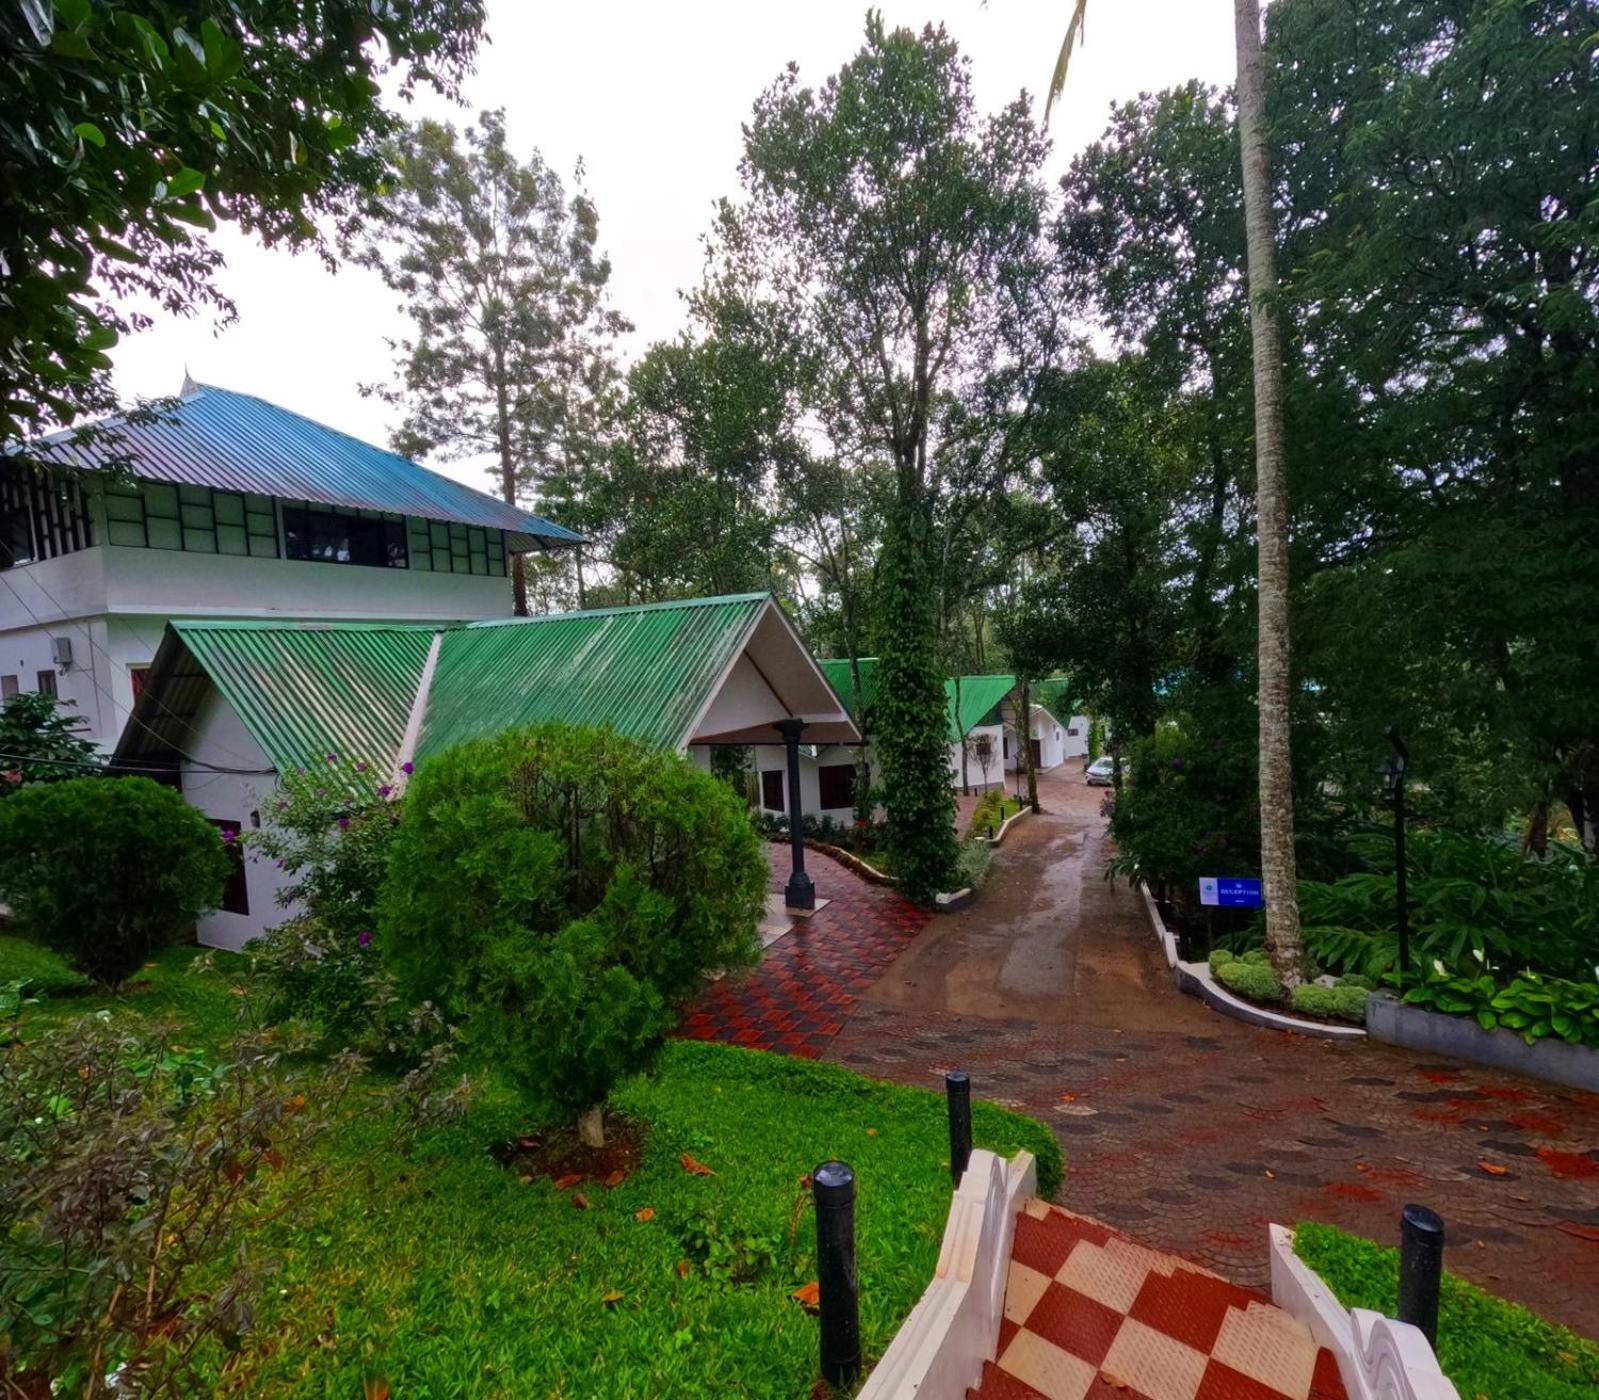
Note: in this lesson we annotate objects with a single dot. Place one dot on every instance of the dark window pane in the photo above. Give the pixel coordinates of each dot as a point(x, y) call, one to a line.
point(236, 893)
point(322, 537)
point(47, 682)
point(836, 783)
point(772, 790)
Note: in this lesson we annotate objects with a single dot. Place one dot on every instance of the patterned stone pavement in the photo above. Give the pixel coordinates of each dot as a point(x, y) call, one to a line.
point(1186, 1129)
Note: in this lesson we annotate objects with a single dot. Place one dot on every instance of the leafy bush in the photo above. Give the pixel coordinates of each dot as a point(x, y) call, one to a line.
point(1534, 1007)
point(330, 829)
point(863, 838)
point(41, 741)
point(104, 871)
point(1486, 1346)
point(1250, 980)
point(993, 809)
point(35, 969)
point(134, 1172)
point(1346, 1002)
point(564, 890)
point(1469, 899)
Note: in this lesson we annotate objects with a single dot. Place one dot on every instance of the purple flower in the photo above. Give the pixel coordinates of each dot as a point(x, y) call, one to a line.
point(333, 758)
point(1177, 765)
point(386, 790)
point(407, 767)
point(360, 767)
point(344, 823)
point(364, 939)
point(228, 835)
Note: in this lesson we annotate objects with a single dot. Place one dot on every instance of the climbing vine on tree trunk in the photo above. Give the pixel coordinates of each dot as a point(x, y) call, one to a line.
point(912, 730)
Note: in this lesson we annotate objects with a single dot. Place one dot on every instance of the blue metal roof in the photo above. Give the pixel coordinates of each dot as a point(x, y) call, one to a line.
point(237, 442)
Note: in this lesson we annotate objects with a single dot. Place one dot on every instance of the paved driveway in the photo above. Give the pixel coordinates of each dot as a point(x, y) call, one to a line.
point(1182, 1127)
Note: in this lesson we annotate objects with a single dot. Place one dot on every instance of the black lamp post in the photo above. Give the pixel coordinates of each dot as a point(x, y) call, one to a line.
point(1394, 771)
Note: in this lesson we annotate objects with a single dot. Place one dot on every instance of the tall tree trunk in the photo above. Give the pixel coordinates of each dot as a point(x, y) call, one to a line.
point(1271, 510)
point(582, 591)
point(1027, 744)
point(502, 426)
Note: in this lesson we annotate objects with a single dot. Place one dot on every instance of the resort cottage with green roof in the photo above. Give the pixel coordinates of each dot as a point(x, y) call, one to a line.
point(227, 507)
point(983, 746)
point(231, 705)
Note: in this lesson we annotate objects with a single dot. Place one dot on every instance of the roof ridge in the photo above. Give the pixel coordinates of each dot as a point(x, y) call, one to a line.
point(719, 599)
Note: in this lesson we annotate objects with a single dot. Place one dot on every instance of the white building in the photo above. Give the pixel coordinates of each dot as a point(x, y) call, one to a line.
point(234, 508)
point(231, 706)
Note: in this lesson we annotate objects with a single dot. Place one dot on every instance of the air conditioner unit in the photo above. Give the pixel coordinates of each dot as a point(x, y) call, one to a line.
point(61, 651)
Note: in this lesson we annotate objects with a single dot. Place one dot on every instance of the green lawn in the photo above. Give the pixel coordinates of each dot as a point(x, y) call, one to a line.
point(444, 1274)
point(1486, 1346)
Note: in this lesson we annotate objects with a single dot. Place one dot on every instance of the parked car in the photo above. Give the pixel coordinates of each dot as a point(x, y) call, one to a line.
point(1101, 772)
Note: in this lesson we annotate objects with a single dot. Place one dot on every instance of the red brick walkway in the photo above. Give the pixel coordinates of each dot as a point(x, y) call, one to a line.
point(810, 979)
point(1186, 1129)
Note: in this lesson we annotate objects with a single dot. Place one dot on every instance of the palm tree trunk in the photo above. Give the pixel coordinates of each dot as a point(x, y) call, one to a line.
point(1271, 510)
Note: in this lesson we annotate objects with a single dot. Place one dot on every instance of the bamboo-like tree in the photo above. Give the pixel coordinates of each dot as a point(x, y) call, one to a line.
point(1277, 859)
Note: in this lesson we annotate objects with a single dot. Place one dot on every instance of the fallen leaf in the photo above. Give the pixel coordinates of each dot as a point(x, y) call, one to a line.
point(684, 1268)
point(645, 1215)
point(237, 991)
point(1362, 1167)
point(1478, 1244)
point(375, 1389)
point(616, 1178)
point(614, 1297)
point(566, 1183)
point(1114, 1381)
point(528, 1142)
point(871, 1132)
point(1068, 1098)
point(580, 1201)
point(694, 1168)
point(808, 1295)
point(1270, 1174)
point(1569, 1357)
point(1493, 1168)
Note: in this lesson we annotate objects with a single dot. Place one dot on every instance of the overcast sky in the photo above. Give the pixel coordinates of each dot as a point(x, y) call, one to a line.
point(652, 97)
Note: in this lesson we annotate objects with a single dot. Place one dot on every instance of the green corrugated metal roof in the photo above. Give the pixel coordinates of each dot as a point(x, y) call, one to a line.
point(837, 671)
point(307, 690)
point(978, 695)
point(646, 671)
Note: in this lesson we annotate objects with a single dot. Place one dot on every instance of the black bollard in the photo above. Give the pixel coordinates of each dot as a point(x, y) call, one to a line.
point(958, 1091)
point(1421, 1267)
point(833, 1188)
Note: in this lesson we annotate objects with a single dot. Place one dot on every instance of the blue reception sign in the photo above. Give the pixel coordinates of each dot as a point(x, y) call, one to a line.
point(1230, 892)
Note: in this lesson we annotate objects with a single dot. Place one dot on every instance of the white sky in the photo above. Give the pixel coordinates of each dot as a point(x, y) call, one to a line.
point(652, 97)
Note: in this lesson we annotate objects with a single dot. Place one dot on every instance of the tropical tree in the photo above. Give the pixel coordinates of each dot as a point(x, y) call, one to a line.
point(130, 131)
point(897, 231)
point(501, 275)
point(1274, 693)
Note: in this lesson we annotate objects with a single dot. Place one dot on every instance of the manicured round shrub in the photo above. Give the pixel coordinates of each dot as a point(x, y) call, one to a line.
point(563, 890)
point(106, 871)
point(1345, 1002)
point(1219, 958)
point(1251, 980)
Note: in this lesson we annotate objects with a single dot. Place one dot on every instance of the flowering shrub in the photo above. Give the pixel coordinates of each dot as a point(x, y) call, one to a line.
point(329, 828)
point(42, 740)
point(564, 890)
point(106, 871)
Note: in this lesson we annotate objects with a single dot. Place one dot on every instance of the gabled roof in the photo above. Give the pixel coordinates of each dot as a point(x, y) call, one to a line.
point(978, 694)
point(237, 442)
point(386, 692)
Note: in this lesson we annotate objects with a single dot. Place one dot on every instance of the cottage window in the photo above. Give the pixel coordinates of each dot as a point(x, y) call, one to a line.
point(327, 538)
point(837, 786)
point(8, 687)
point(772, 789)
point(236, 893)
point(47, 683)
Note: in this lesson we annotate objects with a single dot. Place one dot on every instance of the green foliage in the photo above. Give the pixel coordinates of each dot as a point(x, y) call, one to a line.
point(329, 829)
point(36, 969)
point(994, 808)
point(105, 872)
point(911, 725)
point(132, 129)
point(1532, 1006)
point(563, 890)
point(1346, 1002)
point(1473, 903)
point(1486, 1346)
point(1251, 980)
point(40, 741)
point(500, 272)
point(128, 1157)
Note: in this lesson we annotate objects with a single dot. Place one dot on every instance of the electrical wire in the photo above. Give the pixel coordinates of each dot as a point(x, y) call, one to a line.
point(110, 766)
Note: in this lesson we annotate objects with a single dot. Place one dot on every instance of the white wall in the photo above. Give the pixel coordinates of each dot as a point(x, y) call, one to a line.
point(995, 734)
point(219, 738)
point(1075, 744)
point(1052, 741)
point(772, 756)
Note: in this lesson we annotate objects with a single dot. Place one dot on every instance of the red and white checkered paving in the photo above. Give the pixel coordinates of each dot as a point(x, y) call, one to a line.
point(1089, 1312)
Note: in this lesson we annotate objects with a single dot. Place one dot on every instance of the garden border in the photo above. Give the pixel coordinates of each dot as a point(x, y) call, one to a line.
point(999, 836)
point(1439, 1033)
point(852, 862)
point(1197, 980)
